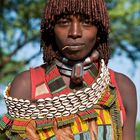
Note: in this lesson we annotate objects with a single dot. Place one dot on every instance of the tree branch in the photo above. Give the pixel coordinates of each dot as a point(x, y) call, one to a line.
point(19, 46)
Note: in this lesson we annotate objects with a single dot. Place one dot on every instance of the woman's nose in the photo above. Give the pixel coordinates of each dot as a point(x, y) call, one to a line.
point(75, 30)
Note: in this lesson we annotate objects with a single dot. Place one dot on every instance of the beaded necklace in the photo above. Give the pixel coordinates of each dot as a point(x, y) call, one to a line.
point(61, 105)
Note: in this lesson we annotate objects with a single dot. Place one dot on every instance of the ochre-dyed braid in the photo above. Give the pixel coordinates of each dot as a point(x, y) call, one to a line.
point(95, 9)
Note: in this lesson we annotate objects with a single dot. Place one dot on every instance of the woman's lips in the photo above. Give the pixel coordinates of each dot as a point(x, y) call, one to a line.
point(74, 47)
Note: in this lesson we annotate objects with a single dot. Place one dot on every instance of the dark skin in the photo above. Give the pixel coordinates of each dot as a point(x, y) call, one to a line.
point(78, 34)
point(69, 31)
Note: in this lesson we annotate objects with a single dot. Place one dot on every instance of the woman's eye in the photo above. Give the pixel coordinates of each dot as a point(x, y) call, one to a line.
point(63, 22)
point(86, 22)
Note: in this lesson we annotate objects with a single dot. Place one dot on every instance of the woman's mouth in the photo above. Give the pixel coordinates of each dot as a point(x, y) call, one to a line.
point(73, 47)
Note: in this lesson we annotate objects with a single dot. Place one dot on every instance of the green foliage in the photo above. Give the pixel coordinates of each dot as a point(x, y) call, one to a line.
point(20, 27)
point(138, 131)
point(20, 23)
point(125, 27)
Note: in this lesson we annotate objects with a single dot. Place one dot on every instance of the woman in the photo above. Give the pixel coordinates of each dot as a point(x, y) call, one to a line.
point(73, 95)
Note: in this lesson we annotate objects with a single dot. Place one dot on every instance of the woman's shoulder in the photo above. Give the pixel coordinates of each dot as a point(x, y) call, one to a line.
point(21, 85)
point(127, 91)
point(124, 83)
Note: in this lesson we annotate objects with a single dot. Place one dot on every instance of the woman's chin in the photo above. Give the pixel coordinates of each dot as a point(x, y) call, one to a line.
point(75, 57)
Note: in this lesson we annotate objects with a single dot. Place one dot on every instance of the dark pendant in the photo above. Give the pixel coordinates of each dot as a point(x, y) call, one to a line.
point(77, 73)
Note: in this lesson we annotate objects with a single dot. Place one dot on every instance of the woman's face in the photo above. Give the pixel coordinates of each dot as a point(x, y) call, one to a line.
point(75, 36)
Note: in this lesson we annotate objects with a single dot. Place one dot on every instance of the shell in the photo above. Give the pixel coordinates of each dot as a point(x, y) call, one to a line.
point(40, 101)
point(61, 109)
point(83, 97)
point(87, 90)
point(69, 107)
point(48, 105)
point(89, 104)
point(15, 109)
point(44, 111)
point(29, 112)
point(21, 101)
point(40, 106)
point(102, 89)
point(66, 113)
point(102, 75)
point(82, 108)
point(55, 99)
point(96, 87)
point(7, 103)
point(33, 116)
point(36, 111)
point(71, 95)
point(27, 116)
point(10, 108)
point(9, 99)
point(104, 85)
point(22, 111)
point(79, 93)
point(74, 100)
point(58, 115)
point(25, 107)
point(22, 116)
point(12, 114)
point(53, 110)
point(17, 114)
point(15, 100)
point(10, 111)
point(107, 81)
point(74, 110)
point(5, 97)
point(12, 105)
point(95, 101)
point(102, 62)
point(93, 85)
point(92, 98)
point(50, 116)
point(63, 97)
point(84, 102)
point(57, 104)
point(48, 100)
point(18, 106)
point(32, 107)
point(41, 116)
point(98, 95)
point(65, 102)
point(92, 93)
point(27, 102)
point(102, 70)
point(88, 60)
point(99, 80)
point(77, 104)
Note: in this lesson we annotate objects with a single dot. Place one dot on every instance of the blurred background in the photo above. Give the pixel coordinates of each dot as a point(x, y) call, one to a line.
point(20, 41)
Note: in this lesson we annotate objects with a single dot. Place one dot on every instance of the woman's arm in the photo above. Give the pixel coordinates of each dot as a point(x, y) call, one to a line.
point(128, 93)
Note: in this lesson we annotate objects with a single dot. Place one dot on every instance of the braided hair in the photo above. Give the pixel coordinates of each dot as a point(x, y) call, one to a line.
point(95, 9)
